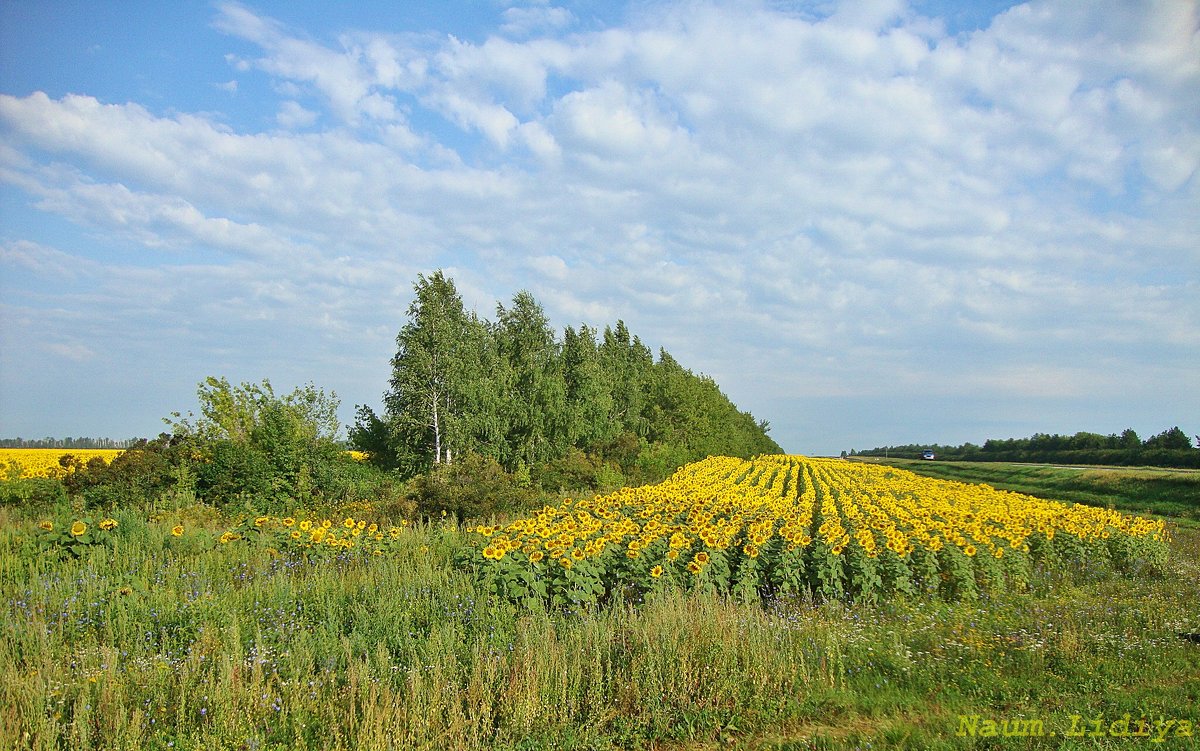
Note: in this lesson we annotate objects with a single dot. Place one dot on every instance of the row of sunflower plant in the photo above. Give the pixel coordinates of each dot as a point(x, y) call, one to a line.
point(780, 525)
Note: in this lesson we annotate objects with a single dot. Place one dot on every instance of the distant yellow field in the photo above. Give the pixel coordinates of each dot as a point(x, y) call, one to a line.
point(21, 463)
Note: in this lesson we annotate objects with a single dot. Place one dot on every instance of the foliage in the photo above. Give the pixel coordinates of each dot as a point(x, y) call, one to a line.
point(37, 492)
point(514, 391)
point(473, 486)
point(250, 449)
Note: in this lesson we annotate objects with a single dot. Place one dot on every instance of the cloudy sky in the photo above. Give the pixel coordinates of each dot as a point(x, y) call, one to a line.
point(872, 222)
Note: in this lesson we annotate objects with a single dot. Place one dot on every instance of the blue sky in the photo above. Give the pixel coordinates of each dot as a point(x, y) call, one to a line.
point(871, 222)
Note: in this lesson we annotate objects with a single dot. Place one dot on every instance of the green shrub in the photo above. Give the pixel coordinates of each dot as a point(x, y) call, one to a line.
point(32, 493)
point(473, 486)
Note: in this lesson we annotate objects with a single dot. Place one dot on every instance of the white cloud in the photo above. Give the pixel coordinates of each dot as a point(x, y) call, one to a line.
point(292, 116)
point(539, 17)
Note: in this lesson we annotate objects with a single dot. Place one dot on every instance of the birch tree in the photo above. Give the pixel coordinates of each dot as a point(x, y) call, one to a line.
point(430, 371)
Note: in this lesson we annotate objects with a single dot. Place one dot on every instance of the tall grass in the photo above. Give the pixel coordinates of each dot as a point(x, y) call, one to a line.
point(180, 642)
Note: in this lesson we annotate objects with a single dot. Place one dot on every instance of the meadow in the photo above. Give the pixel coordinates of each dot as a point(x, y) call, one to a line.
point(184, 627)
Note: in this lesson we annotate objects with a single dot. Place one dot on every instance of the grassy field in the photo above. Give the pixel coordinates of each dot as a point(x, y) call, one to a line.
point(164, 638)
point(1168, 492)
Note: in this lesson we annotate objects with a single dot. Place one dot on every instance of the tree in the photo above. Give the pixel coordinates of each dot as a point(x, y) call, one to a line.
point(535, 392)
point(1129, 439)
point(430, 374)
point(628, 365)
point(234, 413)
point(1172, 439)
point(588, 389)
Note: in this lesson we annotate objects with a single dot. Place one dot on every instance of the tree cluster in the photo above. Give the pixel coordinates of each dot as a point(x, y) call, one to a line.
point(585, 408)
point(1170, 448)
point(248, 449)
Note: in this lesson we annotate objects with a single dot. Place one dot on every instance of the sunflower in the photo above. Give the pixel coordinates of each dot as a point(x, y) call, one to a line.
point(78, 528)
point(305, 525)
point(656, 572)
point(288, 521)
point(108, 524)
point(177, 530)
point(536, 556)
point(46, 525)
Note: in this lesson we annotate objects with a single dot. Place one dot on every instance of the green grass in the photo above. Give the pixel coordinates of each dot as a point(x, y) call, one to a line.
point(163, 642)
point(1143, 490)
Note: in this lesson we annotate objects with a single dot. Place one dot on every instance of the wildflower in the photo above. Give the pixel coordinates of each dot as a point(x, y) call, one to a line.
point(78, 528)
point(177, 530)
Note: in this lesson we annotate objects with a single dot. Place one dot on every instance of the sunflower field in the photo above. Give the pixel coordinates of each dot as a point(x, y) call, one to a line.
point(789, 525)
point(18, 464)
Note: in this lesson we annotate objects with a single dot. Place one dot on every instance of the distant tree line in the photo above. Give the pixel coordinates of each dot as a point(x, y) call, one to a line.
point(66, 443)
point(587, 408)
point(1170, 448)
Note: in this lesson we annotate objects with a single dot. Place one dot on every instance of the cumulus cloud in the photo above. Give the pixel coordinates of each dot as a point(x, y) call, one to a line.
point(855, 198)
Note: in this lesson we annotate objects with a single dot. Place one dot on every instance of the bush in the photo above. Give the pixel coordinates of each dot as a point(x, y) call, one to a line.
point(32, 493)
point(471, 487)
point(138, 475)
point(579, 471)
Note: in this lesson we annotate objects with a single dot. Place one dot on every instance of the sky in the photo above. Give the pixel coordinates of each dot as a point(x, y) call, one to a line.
point(872, 223)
